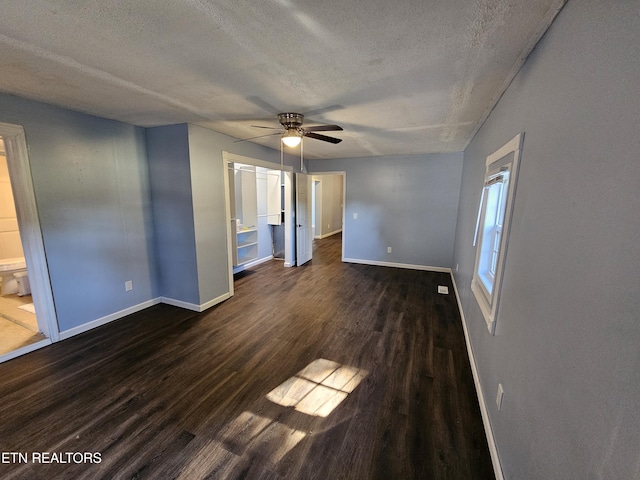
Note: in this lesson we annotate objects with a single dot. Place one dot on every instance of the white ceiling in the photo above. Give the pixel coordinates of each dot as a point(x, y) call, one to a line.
point(402, 77)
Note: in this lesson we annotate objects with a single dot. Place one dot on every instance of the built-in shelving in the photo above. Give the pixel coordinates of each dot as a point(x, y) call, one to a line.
point(244, 213)
point(246, 246)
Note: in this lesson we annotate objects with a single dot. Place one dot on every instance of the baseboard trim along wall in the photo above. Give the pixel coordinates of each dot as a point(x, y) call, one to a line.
point(193, 306)
point(397, 265)
point(320, 237)
point(200, 308)
point(253, 263)
point(136, 308)
point(493, 450)
point(179, 303)
point(109, 318)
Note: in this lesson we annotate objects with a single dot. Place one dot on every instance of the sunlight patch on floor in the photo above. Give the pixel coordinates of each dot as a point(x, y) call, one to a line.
point(319, 388)
point(251, 432)
point(315, 391)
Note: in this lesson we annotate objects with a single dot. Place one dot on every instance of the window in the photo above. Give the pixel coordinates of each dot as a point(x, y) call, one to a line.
point(492, 227)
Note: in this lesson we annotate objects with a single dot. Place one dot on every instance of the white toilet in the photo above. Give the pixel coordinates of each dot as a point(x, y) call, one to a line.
point(13, 272)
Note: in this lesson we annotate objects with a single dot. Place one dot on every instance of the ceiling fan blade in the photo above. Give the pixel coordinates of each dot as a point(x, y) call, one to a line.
point(270, 128)
point(323, 128)
point(266, 106)
point(323, 110)
point(259, 136)
point(324, 138)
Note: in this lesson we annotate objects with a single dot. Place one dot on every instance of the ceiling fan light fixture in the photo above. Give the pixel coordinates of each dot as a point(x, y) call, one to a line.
point(291, 138)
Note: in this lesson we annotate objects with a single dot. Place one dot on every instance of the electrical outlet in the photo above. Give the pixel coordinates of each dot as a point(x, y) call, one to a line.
point(443, 289)
point(500, 397)
point(388, 249)
point(457, 265)
point(355, 216)
point(128, 285)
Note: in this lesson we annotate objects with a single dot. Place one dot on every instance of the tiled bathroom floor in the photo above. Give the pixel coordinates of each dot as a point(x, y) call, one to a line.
point(18, 327)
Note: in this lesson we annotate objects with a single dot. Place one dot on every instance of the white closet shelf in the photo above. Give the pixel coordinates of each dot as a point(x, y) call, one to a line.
point(245, 245)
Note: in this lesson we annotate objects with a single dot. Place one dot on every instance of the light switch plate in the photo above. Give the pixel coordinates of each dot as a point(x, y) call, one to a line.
point(443, 289)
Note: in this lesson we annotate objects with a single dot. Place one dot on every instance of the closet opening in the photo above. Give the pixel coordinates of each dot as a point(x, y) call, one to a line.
point(259, 213)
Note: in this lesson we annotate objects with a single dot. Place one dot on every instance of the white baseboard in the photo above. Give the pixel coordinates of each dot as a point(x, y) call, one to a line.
point(493, 450)
point(179, 303)
point(194, 306)
point(136, 308)
point(320, 237)
point(254, 263)
point(107, 319)
point(72, 332)
point(397, 265)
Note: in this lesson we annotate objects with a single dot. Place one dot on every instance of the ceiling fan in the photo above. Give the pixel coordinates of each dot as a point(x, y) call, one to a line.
point(293, 130)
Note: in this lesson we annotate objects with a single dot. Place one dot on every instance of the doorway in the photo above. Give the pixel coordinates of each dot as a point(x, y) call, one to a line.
point(328, 200)
point(269, 176)
point(27, 228)
point(18, 322)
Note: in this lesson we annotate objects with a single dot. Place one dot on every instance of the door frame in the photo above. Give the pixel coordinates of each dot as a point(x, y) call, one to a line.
point(17, 153)
point(343, 174)
point(289, 250)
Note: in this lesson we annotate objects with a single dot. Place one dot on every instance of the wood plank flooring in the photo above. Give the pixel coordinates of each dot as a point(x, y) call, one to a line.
point(325, 371)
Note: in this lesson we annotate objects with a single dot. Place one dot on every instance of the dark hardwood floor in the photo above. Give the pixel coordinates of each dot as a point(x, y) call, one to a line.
point(325, 371)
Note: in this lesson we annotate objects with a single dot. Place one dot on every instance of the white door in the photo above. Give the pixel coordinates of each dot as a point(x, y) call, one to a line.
point(304, 231)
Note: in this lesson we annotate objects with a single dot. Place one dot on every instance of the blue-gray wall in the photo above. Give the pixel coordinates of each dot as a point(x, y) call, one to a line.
point(170, 174)
point(409, 203)
point(567, 344)
point(91, 184)
point(187, 185)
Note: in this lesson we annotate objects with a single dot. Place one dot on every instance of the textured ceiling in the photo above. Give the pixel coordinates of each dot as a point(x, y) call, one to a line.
point(402, 77)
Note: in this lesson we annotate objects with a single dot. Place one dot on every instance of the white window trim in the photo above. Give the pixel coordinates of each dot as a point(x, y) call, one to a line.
point(499, 160)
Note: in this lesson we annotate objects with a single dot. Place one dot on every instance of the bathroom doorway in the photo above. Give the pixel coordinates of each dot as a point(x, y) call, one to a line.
point(18, 321)
point(27, 315)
